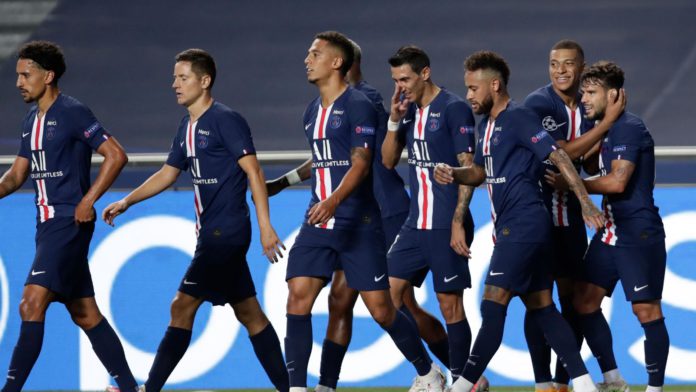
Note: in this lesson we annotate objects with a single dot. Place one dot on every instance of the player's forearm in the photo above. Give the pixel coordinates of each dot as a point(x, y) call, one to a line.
point(582, 145)
point(155, 184)
point(391, 150)
point(465, 191)
point(471, 175)
point(565, 166)
point(259, 193)
point(114, 161)
point(605, 185)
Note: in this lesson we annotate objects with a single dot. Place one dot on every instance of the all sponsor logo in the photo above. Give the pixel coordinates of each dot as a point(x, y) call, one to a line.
point(93, 128)
point(540, 135)
point(466, 129)
point(363, 130)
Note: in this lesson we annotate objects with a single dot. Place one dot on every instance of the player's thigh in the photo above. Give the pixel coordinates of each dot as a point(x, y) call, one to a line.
point(392, 226)
point(406, 259)
point(450, 271)
point(302, 292)
point(588, 297)
point(341, 297)
point(641, 270)
point(248, 311)
point(520, 267)
point(599, 267)
point(363, 257)
point(569, 247)
point(34, 303)
point(313, 254)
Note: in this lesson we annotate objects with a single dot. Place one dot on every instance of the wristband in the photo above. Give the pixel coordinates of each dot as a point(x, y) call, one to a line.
point(293, 177)
point(392, 126)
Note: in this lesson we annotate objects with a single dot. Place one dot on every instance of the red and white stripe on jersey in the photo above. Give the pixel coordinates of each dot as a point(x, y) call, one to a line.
point(426, 198)
point(559, 199)
point(322, 151)
point(489, 170)
point(46, 211)
point(609, 237)
point(195, 171)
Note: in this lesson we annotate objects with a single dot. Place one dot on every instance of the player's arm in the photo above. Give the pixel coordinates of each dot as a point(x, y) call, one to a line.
point(115, 159)
point(294, 176)
point(613, 183)
point(393, 144)
point(473, 175)
point(582, 145)
point(14, 177)
point(161, 180)
point(269, 239)
point(591, 161)
point(361, 159)
point(590, 213)
point(458, 238)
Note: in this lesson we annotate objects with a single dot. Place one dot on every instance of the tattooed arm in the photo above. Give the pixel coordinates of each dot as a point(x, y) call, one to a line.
point(590, 213)
point(615, 181)
point(458, 238)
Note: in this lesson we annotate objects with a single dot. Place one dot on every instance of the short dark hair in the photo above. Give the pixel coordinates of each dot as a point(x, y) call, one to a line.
point(485, 59)
point(411, 55)
point(46, 54)
point(357, 52)
point(569, 44)
point(604, 73)
point(343, 44)
point(202, 63)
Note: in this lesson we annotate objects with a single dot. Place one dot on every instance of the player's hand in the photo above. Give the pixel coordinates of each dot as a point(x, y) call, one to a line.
point(113, 210)
point(84, 212)
point(321, 212)
point(272, 245)
point(592, 216)
point(444, 174)
point(273, 187)
point(399, 106)
point(556, 180)
point(458, 240)
point(616, 104)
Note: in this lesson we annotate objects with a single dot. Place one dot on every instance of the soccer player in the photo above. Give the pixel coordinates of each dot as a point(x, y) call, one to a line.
point(342, 224)
point(438, 127)
point(508, 158)
point(214, 144)
point(631, 245)
point(561, 114)
point(58, 136)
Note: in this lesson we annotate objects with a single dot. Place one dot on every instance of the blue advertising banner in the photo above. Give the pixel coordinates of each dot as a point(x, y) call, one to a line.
point(137, 266)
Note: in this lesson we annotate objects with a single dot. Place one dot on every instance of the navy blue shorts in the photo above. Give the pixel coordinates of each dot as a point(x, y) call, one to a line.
point(641, 269)
point(360, 253)
point(415, 252)
point(569, 247)
point(392, 225)
point(60, 264)
point(219, 272)
point(520, 267)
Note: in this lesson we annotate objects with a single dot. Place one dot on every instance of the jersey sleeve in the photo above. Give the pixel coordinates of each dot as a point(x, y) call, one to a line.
point(362, 119)
point(24, 143)
point(177, 152)
point(478, 155)
point(532, 136)
point(236, 135)
point(626, 141)
point(87, 128)
point(460, 123)
point(542, 107)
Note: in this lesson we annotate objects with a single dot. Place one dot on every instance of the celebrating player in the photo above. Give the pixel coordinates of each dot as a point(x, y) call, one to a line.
point(58, 136)
point(558, 106)
point(438, 127)
point(214, 144)
point(631, 245)
point(508, 158)
point(342, 224)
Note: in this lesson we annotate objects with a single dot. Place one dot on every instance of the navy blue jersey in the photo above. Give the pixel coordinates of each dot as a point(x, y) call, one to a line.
point(435, 134)
point(512, 149)
point(632, 219)
point(59, 147)
point(566, 124)
point(332, 132)
point(389, 187)
point(210, 148)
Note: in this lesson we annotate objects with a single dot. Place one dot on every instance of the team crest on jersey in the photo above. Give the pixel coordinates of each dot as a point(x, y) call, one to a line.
point(549, 124)
point(50, 133)
point(335, 121)
point(202, 141)
point(363, 130)
point(540, 135)
point(495, 139)
point(433, 124)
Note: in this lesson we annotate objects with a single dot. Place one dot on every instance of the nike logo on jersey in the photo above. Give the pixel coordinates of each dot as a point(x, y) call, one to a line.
point(34, 273)
point(561, 124)
point(637, 289)
point(181, 144)
point(187, 282)
point(25, 134)
point(407, 121)
point(306, 127)
point(447, 280)
point(495, 273)
point(380, 278)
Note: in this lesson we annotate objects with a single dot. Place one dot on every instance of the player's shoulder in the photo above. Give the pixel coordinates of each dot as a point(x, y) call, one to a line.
point(370, 92)
point(452, 101)
point(71, 105)
point(540, 99)
point(223, 113)
point(629, 125)
point(520, 112)
point(353, 96)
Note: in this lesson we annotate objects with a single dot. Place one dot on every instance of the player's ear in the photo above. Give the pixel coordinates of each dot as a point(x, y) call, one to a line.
point(613, 94)
point(205, 81)
point(337, 62)
point(425, 73)
point(495, 84)
point(49, 76)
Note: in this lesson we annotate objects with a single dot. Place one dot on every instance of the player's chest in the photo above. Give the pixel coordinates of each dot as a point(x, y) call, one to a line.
point(330, 123)
point(49, 134)
point(200, 140)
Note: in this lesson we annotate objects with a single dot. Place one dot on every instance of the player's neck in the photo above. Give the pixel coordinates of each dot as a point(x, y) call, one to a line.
point(330, 90)
point(200, 106)
point(430, 91)
point(47, 99)
point(569, 98)
point(499, 104)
